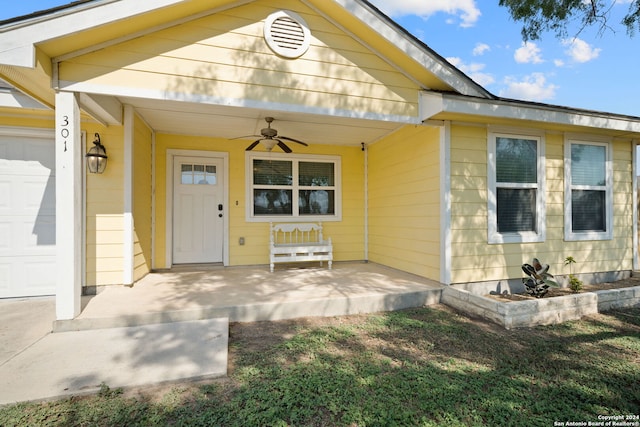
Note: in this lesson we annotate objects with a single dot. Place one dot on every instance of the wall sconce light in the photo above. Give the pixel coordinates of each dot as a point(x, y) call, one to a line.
point(97, 156)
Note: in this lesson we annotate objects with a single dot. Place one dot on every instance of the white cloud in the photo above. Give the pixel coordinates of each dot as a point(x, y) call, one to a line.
point(480, 49)
point(533, 87)
point(528, 53)
point(466, 10)
point(580, 51)
point(473, 70)
point(558, 62)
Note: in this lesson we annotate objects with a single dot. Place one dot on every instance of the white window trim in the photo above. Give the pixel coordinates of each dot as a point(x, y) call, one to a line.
point(250, 217)
point(495, 237)
point(569, 234)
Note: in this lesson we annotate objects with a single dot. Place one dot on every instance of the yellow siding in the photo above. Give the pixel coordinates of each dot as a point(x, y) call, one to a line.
point(474, 260)
point(225, 56)
point(105, 207)
point(27, 118)
point(404, 201)
point(347, 235)
point(142, 198)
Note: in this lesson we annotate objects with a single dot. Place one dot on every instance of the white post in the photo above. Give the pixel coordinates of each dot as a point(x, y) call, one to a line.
point(635, 171)
point(69, 167)
point(445, 204)
point(127, 226)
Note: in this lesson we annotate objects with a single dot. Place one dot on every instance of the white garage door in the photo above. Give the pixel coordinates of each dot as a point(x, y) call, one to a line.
point(27, 216)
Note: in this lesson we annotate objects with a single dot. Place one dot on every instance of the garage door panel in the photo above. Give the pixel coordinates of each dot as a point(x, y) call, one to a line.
point(5, 195)
point(39, 196)
point(43, 233)
point(5, 237)
point(27, 216)
point(19, 237)
point(37, 275)
point(20, 278)
point(21, 154)
point(5, 275)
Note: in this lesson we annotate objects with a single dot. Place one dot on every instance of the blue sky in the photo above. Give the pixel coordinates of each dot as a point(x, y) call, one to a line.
point(589, 70)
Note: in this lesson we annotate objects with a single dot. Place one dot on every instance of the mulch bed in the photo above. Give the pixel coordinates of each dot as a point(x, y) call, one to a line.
point(559, 292)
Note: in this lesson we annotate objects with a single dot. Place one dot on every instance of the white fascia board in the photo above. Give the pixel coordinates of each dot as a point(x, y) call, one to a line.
point(432, 104)
point(162, 95)
point(13, 98)
point(436, 65)
point(18, 40)
point(429, 105)
point(105, 109)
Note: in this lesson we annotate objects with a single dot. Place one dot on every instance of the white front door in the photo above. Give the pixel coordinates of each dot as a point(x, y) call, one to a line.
point(198, 223)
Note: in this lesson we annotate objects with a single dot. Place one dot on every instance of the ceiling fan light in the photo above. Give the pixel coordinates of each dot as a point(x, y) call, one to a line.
point(269, 144)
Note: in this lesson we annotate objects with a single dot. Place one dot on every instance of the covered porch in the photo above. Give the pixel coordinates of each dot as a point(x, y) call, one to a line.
point(247, 294)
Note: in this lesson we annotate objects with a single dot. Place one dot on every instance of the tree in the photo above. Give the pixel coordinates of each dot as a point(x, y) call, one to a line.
point(539, 16)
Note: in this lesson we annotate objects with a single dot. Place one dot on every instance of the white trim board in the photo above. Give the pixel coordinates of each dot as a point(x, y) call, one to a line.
point(163, 95)
point(433, 104)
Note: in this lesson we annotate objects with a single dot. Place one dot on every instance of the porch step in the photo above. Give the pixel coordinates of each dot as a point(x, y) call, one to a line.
point(265, 311)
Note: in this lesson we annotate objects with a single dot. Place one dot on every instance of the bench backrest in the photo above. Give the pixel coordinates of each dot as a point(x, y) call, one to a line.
point(296, 233)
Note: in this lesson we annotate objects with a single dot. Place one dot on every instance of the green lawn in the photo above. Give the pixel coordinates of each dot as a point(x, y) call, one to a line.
point(427, 366)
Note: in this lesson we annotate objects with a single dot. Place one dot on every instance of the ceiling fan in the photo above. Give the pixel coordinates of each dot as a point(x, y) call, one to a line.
point(269, 137)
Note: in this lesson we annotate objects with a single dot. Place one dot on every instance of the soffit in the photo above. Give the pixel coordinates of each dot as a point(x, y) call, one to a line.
point(182, 118)
point(132, 26)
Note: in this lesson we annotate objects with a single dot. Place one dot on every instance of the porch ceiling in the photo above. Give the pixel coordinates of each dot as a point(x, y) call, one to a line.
point(176, 117)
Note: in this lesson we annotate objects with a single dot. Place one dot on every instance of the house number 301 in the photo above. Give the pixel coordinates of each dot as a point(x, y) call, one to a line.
point(64, 131)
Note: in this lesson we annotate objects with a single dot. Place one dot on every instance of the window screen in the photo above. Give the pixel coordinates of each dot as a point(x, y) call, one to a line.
point(588, 188)
point(516, 183)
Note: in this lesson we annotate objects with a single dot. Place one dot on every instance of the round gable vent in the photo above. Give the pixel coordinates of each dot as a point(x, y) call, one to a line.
point(287, 34)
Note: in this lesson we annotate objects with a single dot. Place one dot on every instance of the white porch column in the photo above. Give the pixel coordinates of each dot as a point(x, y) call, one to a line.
point(445, 203)
point(69, 163)
point(127, 217)
point(635, 145)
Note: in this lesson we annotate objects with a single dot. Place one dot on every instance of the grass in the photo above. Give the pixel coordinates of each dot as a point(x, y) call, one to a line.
point(418, 367)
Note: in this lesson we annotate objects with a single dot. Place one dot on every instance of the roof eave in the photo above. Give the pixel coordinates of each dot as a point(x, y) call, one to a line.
point(412, 47)
point(20, 38)
point(436, 105)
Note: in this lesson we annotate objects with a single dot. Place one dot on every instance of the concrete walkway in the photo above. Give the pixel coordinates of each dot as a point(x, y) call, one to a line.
point(174, 325)
point(36, 364)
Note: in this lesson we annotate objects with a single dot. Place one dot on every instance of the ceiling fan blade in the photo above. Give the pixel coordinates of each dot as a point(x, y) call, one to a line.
point(294, 140)
point(246, 136)
point(284, 147)
point(253, 145)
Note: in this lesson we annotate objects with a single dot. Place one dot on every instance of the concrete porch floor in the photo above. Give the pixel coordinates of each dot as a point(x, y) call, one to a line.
point(246, 294)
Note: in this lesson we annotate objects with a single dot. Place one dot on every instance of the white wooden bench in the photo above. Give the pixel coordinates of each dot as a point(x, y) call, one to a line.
point(297, 242)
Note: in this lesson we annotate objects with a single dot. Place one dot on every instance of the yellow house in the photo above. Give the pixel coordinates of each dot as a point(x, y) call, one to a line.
point(407, 162)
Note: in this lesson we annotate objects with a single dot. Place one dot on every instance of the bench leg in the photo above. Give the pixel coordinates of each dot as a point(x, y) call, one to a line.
point(330, 264)
point(271, 267)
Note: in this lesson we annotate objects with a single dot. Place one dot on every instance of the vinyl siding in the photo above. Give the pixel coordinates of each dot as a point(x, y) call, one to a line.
point(104, 210)
point(225, 56)
point(474, 260)
point(347, 234)
point(404, 201)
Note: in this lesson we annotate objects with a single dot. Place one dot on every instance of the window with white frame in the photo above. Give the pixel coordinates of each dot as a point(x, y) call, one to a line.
point(516, 178)
point(282, 186)
point(588, 190)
